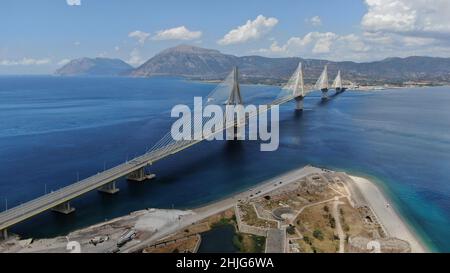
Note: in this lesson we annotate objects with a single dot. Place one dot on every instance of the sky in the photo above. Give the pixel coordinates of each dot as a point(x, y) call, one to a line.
point(37, 37)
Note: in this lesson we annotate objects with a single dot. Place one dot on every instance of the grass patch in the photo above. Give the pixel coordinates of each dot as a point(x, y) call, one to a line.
point(223, 222)
point(248, 243)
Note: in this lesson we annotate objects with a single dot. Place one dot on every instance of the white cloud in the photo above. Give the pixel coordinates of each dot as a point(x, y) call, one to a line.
point(354, 43)
point(102, 54)
point(314, 42)
point(77, 43)
point(117, 48)
point(64, 62)
point(73, 2)
point(366, 47)
point(323, 42)
point(25, 61)
point(422, 18)
point(321, 45)
point(389, 28)
point(140, 36)
point(315, 21)
point(378, 37)
point(135, 58)
point(177, 33)
point(250, 30)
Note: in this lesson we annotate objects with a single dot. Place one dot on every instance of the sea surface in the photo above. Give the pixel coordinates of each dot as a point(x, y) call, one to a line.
point(56, 130)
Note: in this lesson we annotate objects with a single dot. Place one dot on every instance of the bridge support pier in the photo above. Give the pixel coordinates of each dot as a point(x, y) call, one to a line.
point(239, 132)
point(324, 94)
point(64, 208)
point(299, 103)
point(234, 133)
point(109, 188)
point(4, 234)
point(139, 175)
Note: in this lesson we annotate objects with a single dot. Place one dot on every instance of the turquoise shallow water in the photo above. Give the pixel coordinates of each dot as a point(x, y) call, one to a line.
point(52, 128)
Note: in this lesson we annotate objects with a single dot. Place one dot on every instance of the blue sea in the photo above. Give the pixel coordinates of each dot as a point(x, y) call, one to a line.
point(54, 130)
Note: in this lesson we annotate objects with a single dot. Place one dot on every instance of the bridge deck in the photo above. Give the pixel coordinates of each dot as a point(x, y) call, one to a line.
point(31, 208)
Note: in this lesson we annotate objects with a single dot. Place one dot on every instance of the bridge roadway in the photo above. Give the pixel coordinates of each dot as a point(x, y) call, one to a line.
point(51, 200)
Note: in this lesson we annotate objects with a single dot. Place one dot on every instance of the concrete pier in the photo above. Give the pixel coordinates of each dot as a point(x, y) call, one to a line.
point(235, 133)
point(139, 175)
point(64, 208)
point(4, 234)
point(324, 94)
point(109, 188)
point(299, 103)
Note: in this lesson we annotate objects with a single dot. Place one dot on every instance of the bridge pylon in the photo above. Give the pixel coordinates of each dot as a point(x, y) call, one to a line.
point(325, 83)
point(139, 175)
point(235, 99)
point(322, 83)
point(235, 95)
point(299, 88)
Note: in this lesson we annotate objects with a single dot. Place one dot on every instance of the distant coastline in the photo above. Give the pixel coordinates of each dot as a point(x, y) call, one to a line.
point(277, 83)
point(359, 88)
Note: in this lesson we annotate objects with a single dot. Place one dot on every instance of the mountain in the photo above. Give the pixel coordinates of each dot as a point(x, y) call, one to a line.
point(188, 61)
point(95, 67)
point(208, 64)
point(200, 63)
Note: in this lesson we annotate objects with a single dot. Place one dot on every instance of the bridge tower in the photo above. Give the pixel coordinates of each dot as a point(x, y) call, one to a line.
point(299, 88)
point(235, 95)
point(235, 99)
point(322, 83)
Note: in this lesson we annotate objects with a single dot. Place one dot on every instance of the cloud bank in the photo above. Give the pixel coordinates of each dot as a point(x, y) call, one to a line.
point(388, 28)
point(177, 33)
point(25, 62)
point(73, 2)
point(140, 36)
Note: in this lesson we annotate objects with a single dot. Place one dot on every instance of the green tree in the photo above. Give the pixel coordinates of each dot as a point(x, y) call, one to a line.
point(332, 222)
point(290, 230)
point(318, 234)
point(307, 240)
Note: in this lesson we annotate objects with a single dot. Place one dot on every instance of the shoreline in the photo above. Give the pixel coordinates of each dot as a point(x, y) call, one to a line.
point(380, 203)
point(385, 210)
point(360, 88)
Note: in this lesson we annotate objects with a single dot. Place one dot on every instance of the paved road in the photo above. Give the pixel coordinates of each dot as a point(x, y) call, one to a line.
point(339, 230)
point(51, 200)
point(217, 207)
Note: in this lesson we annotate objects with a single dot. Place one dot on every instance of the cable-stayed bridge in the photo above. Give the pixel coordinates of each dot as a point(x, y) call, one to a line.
point(226, 93)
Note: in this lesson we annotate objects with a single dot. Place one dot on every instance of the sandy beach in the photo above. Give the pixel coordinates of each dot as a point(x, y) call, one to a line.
point(394, 225)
